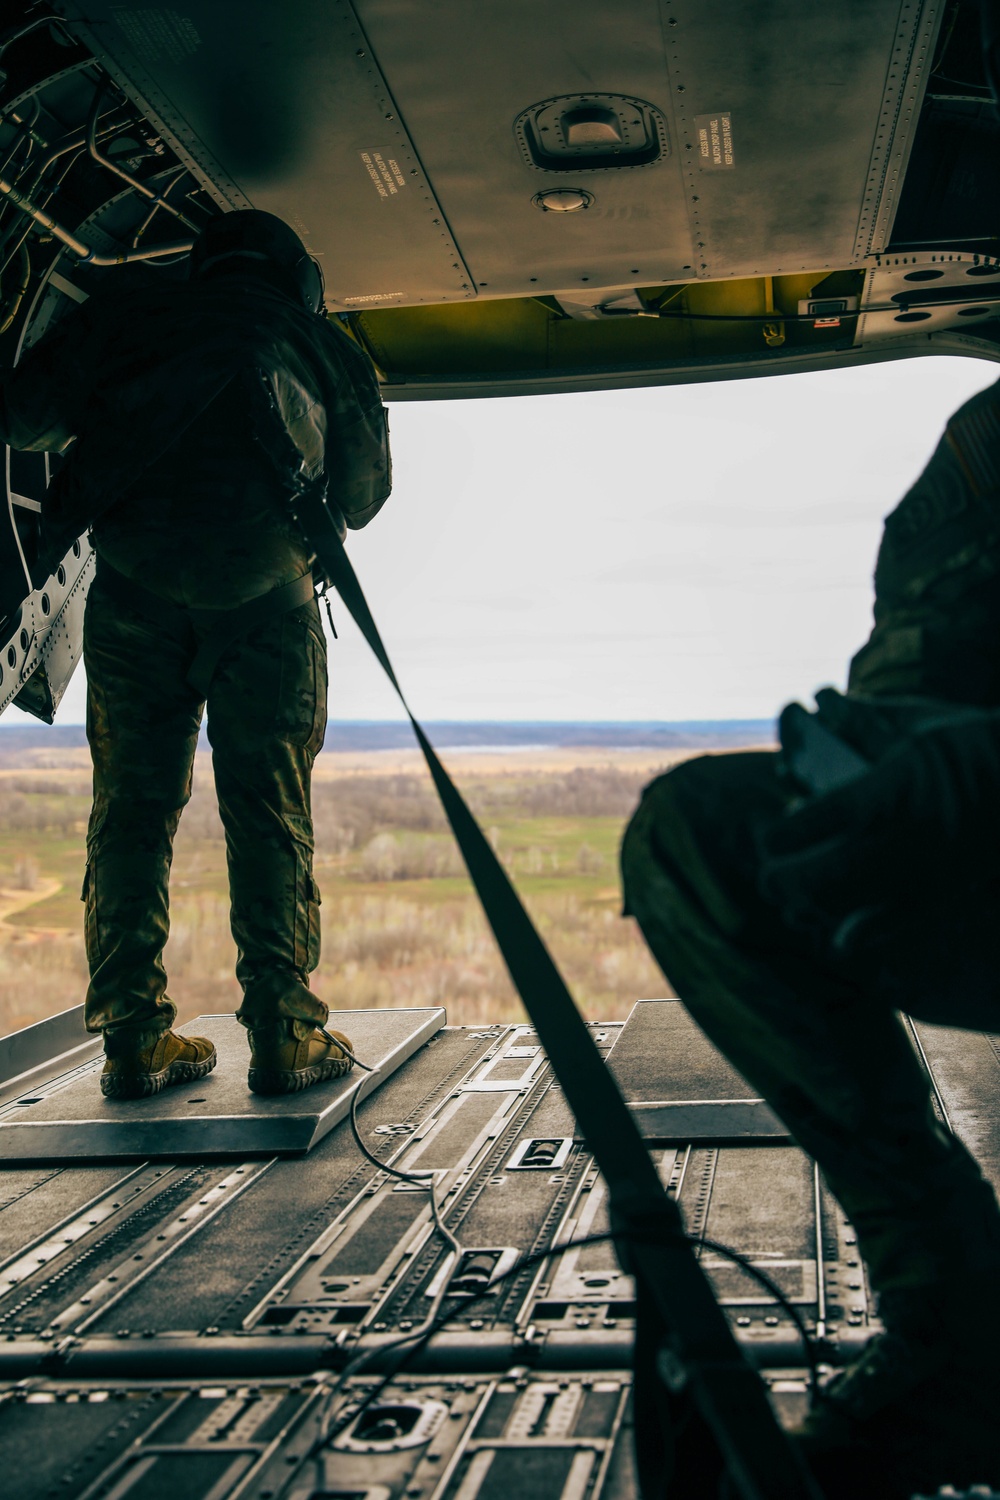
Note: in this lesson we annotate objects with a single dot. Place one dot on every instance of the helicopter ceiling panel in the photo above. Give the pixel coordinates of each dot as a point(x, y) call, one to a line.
point(284, 108)
point(572, 145)
point(440, 153)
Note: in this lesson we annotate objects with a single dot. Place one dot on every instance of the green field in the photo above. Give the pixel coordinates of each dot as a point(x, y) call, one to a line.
point(401, 925)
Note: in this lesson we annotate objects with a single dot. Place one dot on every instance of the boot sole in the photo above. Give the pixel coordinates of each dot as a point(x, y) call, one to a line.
point(294, 1080)
point(144, 1085)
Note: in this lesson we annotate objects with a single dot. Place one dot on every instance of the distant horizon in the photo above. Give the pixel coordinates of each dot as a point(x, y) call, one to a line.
point(470, 734)
point(29, 723)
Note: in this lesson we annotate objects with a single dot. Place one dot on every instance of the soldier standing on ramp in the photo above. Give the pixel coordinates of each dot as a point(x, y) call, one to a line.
point(199, 411)
point(795, 928)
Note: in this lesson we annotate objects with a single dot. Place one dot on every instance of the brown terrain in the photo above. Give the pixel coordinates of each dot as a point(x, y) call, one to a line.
point(401, 924)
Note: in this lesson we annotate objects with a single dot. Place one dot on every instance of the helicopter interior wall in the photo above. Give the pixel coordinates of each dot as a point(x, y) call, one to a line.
point(434, 249)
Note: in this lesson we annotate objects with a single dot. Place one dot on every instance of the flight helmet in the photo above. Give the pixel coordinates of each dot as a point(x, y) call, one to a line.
point(253, 243)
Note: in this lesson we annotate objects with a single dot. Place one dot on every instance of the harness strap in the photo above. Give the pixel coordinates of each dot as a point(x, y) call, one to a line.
point(237, 622)
point(225, 625)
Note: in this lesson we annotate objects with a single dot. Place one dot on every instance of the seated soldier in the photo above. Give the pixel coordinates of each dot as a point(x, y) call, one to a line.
point(794, 929)
point(199, 410)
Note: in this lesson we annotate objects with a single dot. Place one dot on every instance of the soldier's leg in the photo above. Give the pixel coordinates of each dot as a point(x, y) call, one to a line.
point(142, 724)
point(829, 1054)
point(266, 723)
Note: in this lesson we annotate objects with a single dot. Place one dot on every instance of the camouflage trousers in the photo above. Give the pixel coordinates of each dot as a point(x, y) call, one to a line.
point(266, 722)
point(825, 1046)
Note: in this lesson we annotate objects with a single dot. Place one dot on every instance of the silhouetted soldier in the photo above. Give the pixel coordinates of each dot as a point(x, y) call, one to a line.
point(201, 410)
point(794, 929)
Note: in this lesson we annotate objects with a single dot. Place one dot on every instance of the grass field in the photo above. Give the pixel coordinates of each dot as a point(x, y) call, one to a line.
point(401, 925)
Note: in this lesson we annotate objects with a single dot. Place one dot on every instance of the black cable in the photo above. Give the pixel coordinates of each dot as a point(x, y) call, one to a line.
point(735, 1255)
point(423, 1179)
point(419, 1338)
point(440, 1314)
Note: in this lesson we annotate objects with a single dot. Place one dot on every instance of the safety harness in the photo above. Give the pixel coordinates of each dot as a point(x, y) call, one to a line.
point(222, 627)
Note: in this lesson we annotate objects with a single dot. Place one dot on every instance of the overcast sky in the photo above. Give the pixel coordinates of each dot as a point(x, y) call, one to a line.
point(690, 552)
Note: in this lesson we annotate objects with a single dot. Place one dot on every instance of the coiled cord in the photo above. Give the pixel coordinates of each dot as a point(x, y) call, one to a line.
point(421, 1179)
point(418, 1338)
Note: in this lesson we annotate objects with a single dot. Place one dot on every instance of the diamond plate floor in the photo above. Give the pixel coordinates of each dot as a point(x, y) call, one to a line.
point(68, 1119)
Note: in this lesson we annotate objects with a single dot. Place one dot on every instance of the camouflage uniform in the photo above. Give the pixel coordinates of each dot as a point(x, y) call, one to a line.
point(819, 1038)
point(182, 478)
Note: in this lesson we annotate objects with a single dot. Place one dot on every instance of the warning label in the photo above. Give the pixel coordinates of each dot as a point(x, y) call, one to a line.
point(714, 134)
point(384, 171)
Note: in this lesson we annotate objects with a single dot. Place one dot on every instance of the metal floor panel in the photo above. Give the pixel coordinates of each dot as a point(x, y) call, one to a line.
point(965, 1072)
point(663, 1056)
point(68, 1119)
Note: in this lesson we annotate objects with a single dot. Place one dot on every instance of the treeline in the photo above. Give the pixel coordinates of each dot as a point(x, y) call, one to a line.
point(350, 812)
point(600, 792)
point(347, 813)
point(43, 806)
point(393, 824)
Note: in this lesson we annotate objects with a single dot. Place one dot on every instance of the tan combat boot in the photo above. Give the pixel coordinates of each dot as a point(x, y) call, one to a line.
point(167, 1059)
point(282, 1062)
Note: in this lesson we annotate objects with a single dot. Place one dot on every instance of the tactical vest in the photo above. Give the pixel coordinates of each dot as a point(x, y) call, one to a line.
point(937, 579)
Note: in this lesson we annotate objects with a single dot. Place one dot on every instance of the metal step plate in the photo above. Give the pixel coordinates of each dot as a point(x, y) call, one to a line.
point(68, 1119)
point(681, 1089)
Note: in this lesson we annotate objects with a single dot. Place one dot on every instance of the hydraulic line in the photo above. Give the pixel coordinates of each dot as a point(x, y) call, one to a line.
point(72, 142)
point(86, 253)
point(27, 127)
point(159, 199)
point(11, 241)
point(67, 150)
point(179, 174)
point(17, 32)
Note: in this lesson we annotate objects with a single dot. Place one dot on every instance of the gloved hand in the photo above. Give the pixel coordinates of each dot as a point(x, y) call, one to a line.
point(921, 825)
